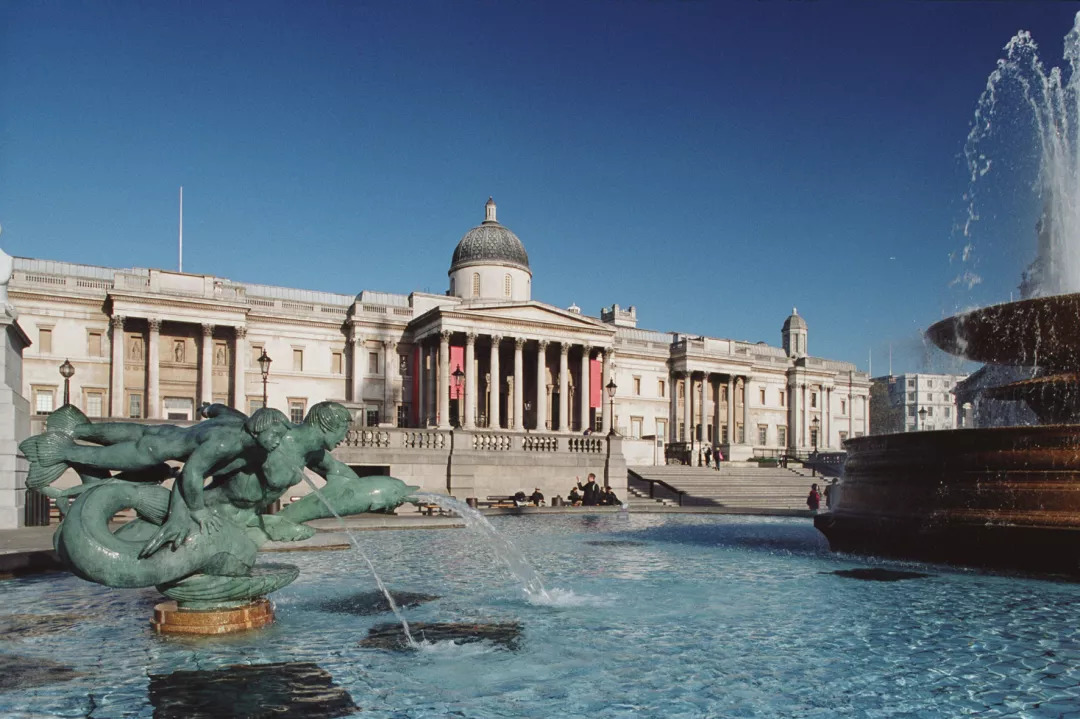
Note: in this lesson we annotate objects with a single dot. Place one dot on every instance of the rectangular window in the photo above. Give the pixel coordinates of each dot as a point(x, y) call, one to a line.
point(762, 392)
point(337, 363)
point(813, 438)
point(44, 341)
point(682, 431)
point(813, 399)
point(929, 411)
point(723, 393)
point(635, 427)
point(93, 344)
point(637, 386)
point(403, 415)
point(947, 384)
point(948, 413)
point(843, 437)
point(911, 396)
point(723, 434)
point(298, 360)
point(660, 388)
point(256, 353)
point(763, 434)
point(372, 416)
point(44, 399)
point(843, 406)
point(661, 428)
point(911, 411)
point(135, 408)
point(708, 432)
point(783, 398)
point(740, 432)
point(781, 436)
point(182, 408)
point(682, 390)
point(930, 384)
point(254, 403)
point(911, 383)
point(297, 408)
point(95, 401)
point(373, 363)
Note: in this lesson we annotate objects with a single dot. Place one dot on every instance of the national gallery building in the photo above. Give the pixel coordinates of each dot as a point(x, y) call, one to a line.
point(485, 356)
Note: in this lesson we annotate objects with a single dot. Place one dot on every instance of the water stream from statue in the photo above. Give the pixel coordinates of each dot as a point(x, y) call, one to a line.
point(378, 580)
point(503, 548)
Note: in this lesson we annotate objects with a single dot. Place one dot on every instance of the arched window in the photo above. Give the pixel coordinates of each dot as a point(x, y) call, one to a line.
point(451, 285)
point(508, 285)
point(476, 284)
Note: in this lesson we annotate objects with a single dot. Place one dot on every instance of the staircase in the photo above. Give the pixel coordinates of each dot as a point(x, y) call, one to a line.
point(732, 486)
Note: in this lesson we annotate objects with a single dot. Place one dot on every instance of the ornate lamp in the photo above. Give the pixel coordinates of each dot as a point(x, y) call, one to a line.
point(264, 367)
point(922, 418)
point(611, 387)
point(817, 426)
point(67, 370)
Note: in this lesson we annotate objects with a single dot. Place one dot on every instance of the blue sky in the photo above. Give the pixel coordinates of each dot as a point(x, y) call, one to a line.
point(711, 163)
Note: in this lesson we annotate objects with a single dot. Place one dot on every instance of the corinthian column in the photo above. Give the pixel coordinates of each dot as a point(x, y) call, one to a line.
point(117, 339)
point(153, 369)
point(541, 385)
point(240, 353)
point(746, 411)
point(586, 394)
point(390, 367)
point(206, 365)
point(519, 395)
point(468, 421)
point(496, 384)
point(606, 410)
point(564, 387)
point(444, 380)
point(687, 411)
point(356, 354)
point(731, 409)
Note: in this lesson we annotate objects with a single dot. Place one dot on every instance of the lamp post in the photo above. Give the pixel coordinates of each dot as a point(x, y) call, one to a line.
point(922, 418)
point(817, 427)
point(611, 387)
point(458, 378)
point(67, 370)
point(264, 367)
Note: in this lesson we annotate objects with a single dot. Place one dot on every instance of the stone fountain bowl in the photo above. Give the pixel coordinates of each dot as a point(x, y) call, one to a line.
point(1006, 497)
point(1041, 331)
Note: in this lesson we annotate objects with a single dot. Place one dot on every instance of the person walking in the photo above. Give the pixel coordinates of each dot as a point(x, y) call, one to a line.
point(813, 500)
point(708, 456)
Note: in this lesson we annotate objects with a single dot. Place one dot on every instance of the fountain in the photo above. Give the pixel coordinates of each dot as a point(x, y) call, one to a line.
point(996, 496)
point(197, 544)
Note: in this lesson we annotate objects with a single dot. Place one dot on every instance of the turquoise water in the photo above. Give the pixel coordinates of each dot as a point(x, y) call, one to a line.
point(650, 616)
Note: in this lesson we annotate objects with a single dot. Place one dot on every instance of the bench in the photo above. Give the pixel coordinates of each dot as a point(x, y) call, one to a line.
point(498, 502)
point(430, 510)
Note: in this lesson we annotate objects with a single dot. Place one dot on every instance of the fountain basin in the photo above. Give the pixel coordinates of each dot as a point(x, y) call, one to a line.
point(1005, 497)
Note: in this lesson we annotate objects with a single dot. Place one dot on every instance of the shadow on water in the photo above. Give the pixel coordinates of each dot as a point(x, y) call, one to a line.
point(878, 574)
point(797, 538)
point(18, 626)
point(390, 636)
point(291, 690)
point(23, 672)
point(366, 604)
point(615, 543)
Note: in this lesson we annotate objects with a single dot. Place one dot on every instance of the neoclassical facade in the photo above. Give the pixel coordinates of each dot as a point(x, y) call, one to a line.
point(157, 344)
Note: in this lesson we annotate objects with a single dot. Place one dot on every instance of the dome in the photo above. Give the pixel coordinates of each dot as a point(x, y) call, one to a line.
point(490, 244)
point(795, 322)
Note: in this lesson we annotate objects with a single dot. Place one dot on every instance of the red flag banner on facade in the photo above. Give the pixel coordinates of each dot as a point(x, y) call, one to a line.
point(596, 383)
point(457, 359)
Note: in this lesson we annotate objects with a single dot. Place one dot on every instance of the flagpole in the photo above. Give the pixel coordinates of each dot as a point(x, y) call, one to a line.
point(181, 228)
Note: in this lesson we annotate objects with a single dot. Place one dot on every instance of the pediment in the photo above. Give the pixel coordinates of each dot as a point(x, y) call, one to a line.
point(530, 313)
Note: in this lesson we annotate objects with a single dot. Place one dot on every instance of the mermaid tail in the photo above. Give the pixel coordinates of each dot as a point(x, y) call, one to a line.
point(66, 420)
point(47, 453)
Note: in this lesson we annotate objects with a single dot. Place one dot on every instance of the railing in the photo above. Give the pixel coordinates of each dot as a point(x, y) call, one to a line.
point(492, 442)
point(585, 445)
point(379, 438)
point(652, 485)
point(534, 443)
point(424, 439)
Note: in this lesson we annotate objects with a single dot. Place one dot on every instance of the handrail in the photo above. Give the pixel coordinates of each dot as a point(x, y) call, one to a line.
point(652, 486)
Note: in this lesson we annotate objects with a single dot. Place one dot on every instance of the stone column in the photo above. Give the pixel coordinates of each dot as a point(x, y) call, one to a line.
point(805, 429)
point(606, 410)
point(153, 369)
point(584, 390)
point(433, 386)
point(564, 386)
point(443, 388)
point(541, 385)
point(826, 415)
point(731, 409)
point(747, 434)
point(673, 407)
point(390, 366)
point(206, 365)
point(471, 383)
point(704, 397)
point(494, 421)
point(688, 402)
point(716, 415)
point(357, 379)
point(519, 395)
point(240, 355)
point(117, 339)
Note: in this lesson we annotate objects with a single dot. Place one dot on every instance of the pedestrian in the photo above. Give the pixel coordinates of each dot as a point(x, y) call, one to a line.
point(590, 491)
point(813, 500)
point(537, 497)
point(830, 492)
point(708, 456)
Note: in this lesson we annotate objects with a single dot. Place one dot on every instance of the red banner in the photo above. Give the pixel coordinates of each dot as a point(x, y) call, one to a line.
point(596, 383)
point(457, 360)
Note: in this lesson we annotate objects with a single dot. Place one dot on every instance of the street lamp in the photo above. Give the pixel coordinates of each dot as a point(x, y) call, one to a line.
point(67, 370)
point(611, 387)
point(264, 367)
point(816, 424)
point(458, 378)
point(922, 418)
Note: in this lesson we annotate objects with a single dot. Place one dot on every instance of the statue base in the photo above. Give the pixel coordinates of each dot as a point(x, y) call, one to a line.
point(170, 619)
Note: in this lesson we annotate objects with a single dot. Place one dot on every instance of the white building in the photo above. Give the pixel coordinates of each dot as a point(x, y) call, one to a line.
point(156, 344)
point(925, 401)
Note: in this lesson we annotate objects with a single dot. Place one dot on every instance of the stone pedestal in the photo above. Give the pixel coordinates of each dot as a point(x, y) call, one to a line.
point(169, 619)
point(14, 422)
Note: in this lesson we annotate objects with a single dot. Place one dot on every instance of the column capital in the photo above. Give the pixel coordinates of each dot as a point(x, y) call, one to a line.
point(609, 351)
point(470, 338)
point(117, 322)
point(207, 330)
point(564, 349)
point(241, 331)
point(542, 344)
point(389, 345)
point(519, 343)
point(496, 340)
point(154, 324)
point(444, 335)
point(355, 335)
